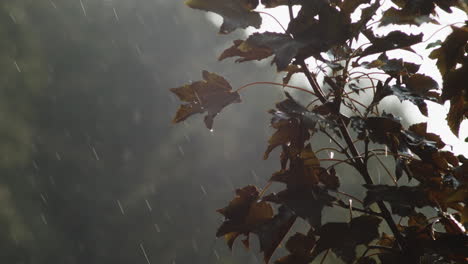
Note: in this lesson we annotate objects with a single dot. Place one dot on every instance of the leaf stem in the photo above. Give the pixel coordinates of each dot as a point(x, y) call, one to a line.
point(358, 163)
point(272, 16)
point(274, 83)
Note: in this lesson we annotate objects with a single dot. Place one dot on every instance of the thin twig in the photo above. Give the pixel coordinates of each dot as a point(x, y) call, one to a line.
point(385, 167)
point(277, 84)
point(277, 21)
point(358, 162)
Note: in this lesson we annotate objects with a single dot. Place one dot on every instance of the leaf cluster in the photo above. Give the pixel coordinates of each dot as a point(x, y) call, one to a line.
point(439, 178)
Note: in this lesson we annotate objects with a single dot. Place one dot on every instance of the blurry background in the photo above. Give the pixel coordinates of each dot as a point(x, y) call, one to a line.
point(91, 168)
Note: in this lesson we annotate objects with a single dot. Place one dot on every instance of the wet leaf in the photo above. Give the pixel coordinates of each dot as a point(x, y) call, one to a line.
point(272, 232)
point(416, 89)
point(404, 17)
point(235, 13)
point(394, 67)
point(262, 45)
point(288, 132)
point(391, 41)
point(402, 199)
point(244, 214)
point(366, 15)
point(306, 202)
point(246, 52)
point(452, 50)
point(349, 6)
point(319, 35)
point(210, 95)
point(291, 70)
point(456, 91)
point(421, 130)
point(275, 3)
point(343, 238)
point(299, 246)
point(385, 129)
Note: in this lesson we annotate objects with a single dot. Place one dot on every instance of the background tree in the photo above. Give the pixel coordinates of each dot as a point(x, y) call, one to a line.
point(425, 219)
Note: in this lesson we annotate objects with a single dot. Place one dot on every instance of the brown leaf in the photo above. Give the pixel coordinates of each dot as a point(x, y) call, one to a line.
point(259, 46)
point(235, 13)
point(300, 244)
point(275, 3)
point(330, 180)
point(259, 213)
point(348, 6)
point(246, 52)
point(343, 238)
point(419, 220)
point(391, 41)
point(291, 70)
point(288, 132)
point(458, 111)
point(404, 17)
point(243, 215)
point(240, 205)
point(452, 50)
point(272, 233)
point(421, 130)
point(210, 95)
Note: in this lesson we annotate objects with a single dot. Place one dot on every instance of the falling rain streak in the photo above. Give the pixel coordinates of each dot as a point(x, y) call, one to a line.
point(144, 253)
point(156, 226)
point(181, 150)
point(96, 156)
point(203, 189)
point(83, 7)
point(148, 205)
point(121, 208)
point(17, 66)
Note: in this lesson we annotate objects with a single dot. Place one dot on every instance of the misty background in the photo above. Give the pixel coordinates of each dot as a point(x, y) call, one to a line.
point(92, 170)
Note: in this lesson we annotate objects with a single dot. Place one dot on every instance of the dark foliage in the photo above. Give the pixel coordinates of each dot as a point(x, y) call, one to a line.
point(309, 184)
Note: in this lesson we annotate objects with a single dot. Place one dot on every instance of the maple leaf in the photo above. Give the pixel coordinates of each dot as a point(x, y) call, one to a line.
point(210, 95)
point(259, 46)
point(416, 89)
point(393, 40)
point(343, 238)
point(349, 6)
point(235, 13)
point(331, 28)
point(291, 70)
point(273, 231)
point(306, 202)
point(244, 214)
point(404, 17)
point(275, 3)
point(451, 51)
point(299, 246)
point(366, 15)
point(402, 199)
point(393, 67)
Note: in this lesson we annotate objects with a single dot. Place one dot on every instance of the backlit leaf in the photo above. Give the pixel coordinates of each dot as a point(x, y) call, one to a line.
point(262, 45)
point(452, 50)
point(404, 17)
point(235, 13)
point(210, 95)
point(402, 199)
point(272, 232)
point(343, 238)
point(391, 41)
